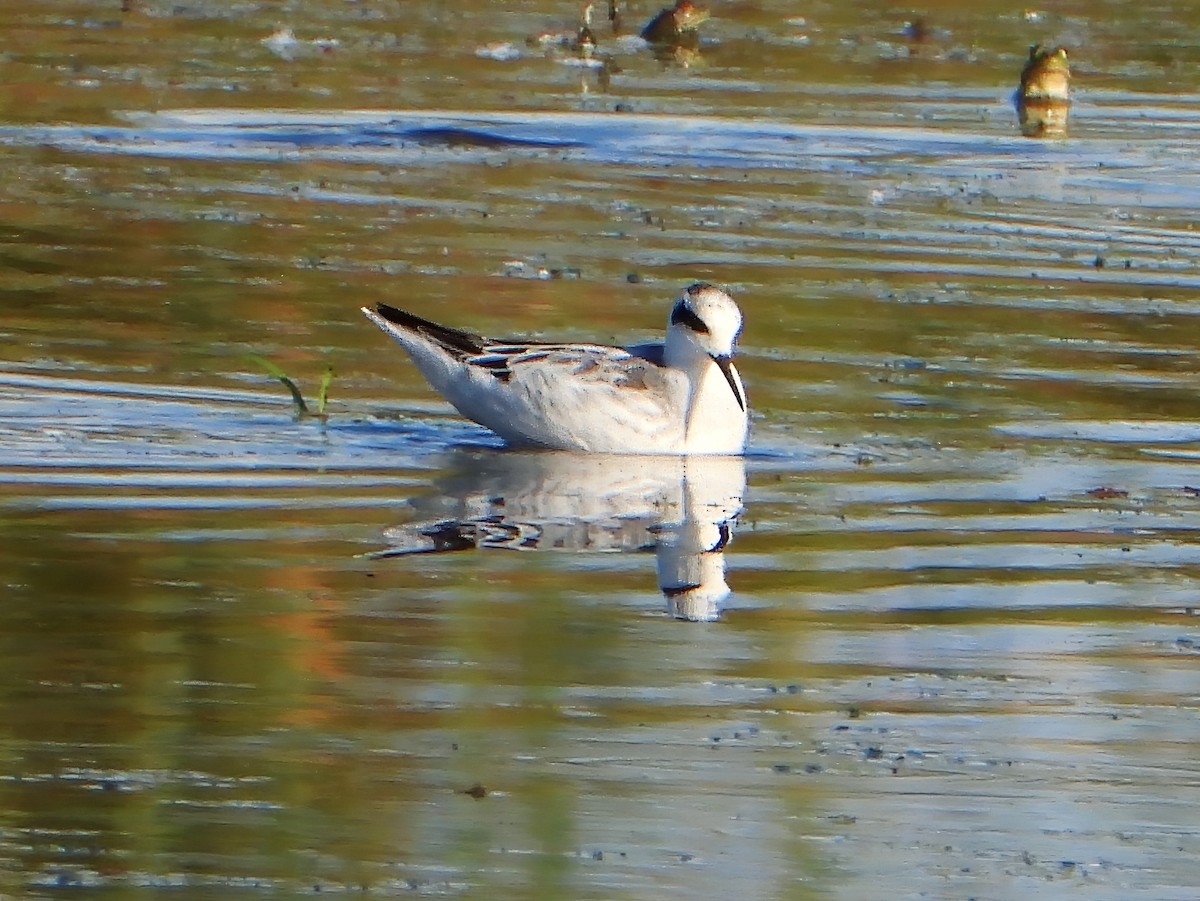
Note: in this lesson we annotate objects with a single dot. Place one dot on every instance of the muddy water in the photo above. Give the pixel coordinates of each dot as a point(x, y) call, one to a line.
point(947, 648)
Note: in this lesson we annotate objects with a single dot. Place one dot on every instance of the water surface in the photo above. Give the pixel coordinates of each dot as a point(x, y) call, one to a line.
point(936, 637)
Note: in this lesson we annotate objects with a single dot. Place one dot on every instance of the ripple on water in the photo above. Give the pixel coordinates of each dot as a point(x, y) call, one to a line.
point(959, 656)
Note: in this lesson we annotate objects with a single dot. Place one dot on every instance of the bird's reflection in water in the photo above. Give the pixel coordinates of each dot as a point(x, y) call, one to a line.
point(681, 508)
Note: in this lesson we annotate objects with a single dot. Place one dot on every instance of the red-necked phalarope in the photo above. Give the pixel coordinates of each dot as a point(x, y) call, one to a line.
point(681, 396)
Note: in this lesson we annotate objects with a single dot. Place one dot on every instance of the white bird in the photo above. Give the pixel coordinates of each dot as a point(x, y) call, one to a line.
point(681, 396)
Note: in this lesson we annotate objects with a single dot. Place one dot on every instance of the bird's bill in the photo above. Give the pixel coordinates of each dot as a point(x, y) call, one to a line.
point(725, 364)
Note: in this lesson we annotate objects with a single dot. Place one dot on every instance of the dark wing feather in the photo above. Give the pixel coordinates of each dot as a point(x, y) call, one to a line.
point(458, 343)
point(500, 356)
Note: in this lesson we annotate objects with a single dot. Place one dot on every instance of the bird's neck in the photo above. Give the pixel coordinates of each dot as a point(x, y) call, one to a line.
point(680, 352)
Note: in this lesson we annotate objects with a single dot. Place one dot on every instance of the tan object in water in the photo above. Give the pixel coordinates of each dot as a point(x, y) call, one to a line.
point(1044, 97)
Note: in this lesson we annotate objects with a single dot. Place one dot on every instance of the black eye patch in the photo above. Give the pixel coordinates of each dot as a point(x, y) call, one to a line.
point(683, 315)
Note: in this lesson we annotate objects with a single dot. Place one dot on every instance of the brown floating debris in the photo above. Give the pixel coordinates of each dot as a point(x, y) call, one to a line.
point(1106, 493)
point(675, 25)
point(614, 15)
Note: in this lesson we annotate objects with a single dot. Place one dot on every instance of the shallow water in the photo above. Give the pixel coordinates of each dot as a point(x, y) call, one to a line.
point(947, 648)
